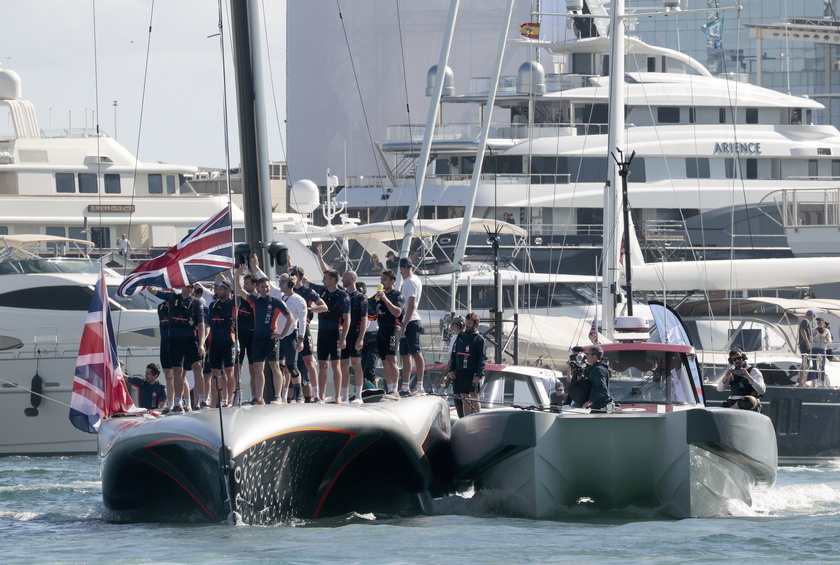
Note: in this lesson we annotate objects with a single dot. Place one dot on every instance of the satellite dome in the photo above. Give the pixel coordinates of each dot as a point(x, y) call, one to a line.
point(448, 81)
point(9, 85)
point(531, 78)
point(304, 197)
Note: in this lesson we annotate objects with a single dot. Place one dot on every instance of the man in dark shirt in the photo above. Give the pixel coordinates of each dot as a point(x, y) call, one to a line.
point(355, 337)
point(466, 366)
point(599, 375)
point(333, 325)
point(389, 307)
point(186, 340)
point(222, 314)
point(150, 393)
point(165, 364)
point(245, 323)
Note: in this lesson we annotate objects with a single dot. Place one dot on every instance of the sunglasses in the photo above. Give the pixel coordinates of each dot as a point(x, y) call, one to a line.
point(735, 360)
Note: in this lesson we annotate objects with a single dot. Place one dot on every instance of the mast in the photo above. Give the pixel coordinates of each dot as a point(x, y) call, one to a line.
point(256, 193)
point(425, 149)
point(615, 140)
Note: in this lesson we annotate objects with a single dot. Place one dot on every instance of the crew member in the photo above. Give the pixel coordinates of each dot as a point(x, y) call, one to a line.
point(222, 354)
point(598, 374)
point(388, 304)
point(412, 290)
point(333, 325)
point(466, 366)
point(150, 393)
point(352, 353)
point(292, 344)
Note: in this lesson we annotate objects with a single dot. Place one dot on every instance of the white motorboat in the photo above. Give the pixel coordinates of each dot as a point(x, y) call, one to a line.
point(46, 284)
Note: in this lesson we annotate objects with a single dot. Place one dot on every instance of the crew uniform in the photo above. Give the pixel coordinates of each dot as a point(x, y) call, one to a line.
point(467, 361)
point(149, 395)
point(245, 321)
point(163, 321)
point(222, 334)
point(358, 312)
point(386, 337)
point(297, 307)
point(267, 309)
point(332, 321)
point(184, 315)
point(310, 297)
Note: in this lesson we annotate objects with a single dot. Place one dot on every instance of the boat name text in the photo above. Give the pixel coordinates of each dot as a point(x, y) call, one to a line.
point(737, 148)
point(114, 208)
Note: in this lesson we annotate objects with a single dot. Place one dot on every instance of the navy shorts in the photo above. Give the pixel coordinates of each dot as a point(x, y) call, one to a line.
point(165, 363)
point(246, 341)
point(222, 354)
point(328, 344)
point(288, 355)
point(183, 351)
point(350, 350)
point(265, 349)
point(307, 343)
point(386, 342)
point(463, 383)
point(410, 343)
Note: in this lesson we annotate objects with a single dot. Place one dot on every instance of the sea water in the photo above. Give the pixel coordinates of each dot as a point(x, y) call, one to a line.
point(51, 512)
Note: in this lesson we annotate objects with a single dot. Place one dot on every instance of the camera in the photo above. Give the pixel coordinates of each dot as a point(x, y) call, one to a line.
point(738, 372)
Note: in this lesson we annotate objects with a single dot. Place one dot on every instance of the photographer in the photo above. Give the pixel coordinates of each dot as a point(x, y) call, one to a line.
point(579, 385)
point(745, 383)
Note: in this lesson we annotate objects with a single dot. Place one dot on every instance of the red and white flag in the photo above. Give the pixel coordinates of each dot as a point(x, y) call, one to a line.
point(99, 389)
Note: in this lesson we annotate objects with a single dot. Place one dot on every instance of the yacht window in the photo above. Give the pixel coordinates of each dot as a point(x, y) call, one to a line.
point(752, 115)
point(697, 168)
point(87, 183)
point(65, 182)
point(668, 115)
point(155, 184)
point(722, 115)
point(813, 168)
point(692, 115)
point(8, 342)
point(835, 168)
point(54, 230)
point(170, 184)
point(112, 183)
point(77, 233)
point(823, 151)
point(4, 230)
point(637, 170)
point(52, 298)
point(101, 237)
point(752, 168)
point(729, 164)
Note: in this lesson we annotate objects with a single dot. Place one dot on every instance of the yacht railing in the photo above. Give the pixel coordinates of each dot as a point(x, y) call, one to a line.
point(809, 207)
point(553, 83)
point(469, 132)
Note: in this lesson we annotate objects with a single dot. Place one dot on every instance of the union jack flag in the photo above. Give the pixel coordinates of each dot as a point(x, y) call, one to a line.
point(98, 387)
point(206, 251)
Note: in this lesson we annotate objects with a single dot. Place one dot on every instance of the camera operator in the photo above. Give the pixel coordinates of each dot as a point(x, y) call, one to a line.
point(579, 385)
point(745, 383)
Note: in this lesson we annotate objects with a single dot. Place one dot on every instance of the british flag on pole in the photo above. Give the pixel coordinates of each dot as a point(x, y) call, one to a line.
point(206, 251)
point(98, 387)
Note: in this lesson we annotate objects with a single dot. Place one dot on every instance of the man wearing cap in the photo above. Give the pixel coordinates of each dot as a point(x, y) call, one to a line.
point(391, 261)
point(806, 330)
point(411, 290)
point(222, 356)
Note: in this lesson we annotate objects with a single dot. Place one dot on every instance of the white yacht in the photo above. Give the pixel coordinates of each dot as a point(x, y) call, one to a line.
point(46, 284)
point(704, 144)
point(83, 184)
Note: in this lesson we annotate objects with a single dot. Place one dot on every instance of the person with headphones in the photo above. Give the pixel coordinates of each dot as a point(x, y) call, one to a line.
point(745, 383)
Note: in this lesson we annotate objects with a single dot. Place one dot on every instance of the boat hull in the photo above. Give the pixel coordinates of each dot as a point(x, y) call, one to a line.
point(687, 463)
point(806, 421)
point(278, 462)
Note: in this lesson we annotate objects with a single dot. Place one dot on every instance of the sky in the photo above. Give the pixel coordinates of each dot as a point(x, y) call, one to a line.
point(76, 57)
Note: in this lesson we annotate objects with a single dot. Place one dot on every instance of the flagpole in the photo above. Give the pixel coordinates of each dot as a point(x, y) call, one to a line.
point(106, 345)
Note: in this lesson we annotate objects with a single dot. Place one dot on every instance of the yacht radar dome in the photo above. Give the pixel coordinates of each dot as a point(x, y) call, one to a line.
point(9, 85)
point(303, 196)
point(671, 5)
point(531, 78)
point(448, 81)
point(574, 5)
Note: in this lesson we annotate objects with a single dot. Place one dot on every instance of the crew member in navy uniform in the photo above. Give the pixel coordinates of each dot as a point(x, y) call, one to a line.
point(745, 383)
point(352, 353)
point(598, 374)
point(186, 339)
point(245, 324)
point(466, 366)
point(333, 326)
point(306, 361)
point(222, 355)
point(388, 304)
point(150, 393)
point(165, 364)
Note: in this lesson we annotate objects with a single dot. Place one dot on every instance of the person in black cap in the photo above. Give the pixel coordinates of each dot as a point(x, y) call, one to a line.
point(391, 261)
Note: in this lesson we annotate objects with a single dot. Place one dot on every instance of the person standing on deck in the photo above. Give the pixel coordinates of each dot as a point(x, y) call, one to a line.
point(222, 351)
point(466, 366)
point(599, 375)
point(333, 325)
point(411, 290)
point(389, 308)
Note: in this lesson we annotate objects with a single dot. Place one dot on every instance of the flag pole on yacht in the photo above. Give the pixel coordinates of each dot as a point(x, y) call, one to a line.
point(425, 149)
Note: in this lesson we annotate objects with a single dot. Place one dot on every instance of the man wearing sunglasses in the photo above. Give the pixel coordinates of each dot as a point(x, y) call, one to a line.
point(599, 375)
point(745, 383)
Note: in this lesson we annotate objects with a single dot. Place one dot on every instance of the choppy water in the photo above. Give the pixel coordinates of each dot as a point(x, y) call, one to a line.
point(51, 512)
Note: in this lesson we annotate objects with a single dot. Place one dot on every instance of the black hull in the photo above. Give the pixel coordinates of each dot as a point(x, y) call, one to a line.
point(806, 421)
point(280, 463)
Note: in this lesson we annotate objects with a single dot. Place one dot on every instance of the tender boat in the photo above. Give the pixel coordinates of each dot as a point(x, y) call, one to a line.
point(277, 463)
point(661, 447)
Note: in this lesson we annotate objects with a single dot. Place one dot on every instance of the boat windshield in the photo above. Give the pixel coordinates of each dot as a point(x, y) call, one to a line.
point(650, 377)
point(503, 388)
point(43, 265)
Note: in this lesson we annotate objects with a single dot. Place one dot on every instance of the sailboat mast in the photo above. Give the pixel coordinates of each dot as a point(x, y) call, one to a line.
point(256, 197)
point(615, 140)
point(425, 149)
